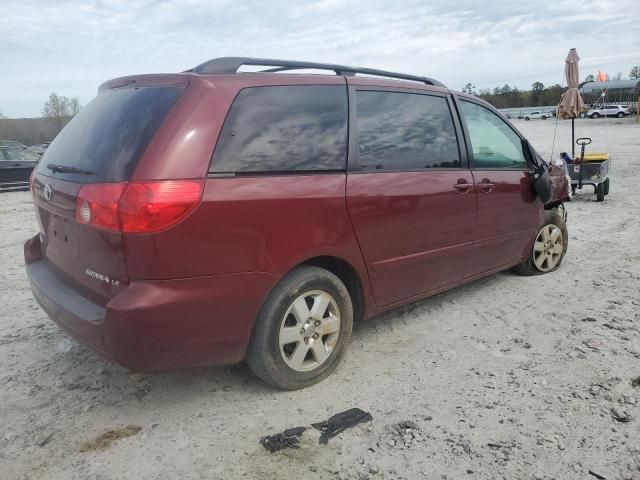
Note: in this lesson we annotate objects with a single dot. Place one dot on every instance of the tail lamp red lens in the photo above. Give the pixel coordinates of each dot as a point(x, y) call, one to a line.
point(137, 207)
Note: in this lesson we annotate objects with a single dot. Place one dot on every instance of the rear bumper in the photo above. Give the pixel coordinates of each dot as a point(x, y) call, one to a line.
point(159, 325)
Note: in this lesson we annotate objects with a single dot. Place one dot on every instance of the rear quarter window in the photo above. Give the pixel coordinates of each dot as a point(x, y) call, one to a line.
point(284, 129)
point(104, 142)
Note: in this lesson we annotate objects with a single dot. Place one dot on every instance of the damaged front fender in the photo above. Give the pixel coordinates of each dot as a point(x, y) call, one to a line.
point(560, 186)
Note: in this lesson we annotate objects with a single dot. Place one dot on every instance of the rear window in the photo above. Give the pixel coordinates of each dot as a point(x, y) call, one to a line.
point(284, 129)
point(104, 142)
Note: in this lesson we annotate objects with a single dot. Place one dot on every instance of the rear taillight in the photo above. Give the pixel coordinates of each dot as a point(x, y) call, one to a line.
point(155, 206)
point(137, 207)
point(97, 205)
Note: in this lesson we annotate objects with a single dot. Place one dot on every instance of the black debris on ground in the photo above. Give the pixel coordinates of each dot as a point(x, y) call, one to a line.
point(45, 440)
point(340, 422)
point(287, 439)
point(597, 475)
point(635, 382)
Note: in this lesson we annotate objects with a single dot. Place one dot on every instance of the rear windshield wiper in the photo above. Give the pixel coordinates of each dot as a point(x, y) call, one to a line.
point(56, 167)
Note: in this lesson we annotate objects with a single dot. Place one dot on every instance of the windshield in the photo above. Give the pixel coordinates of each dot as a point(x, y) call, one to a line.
point(17, 155)
point(104, 142)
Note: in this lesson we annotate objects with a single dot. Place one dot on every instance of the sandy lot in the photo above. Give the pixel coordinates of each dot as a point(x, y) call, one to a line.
point(508, 377)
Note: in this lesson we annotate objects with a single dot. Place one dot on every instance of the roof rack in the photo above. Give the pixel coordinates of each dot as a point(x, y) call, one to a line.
point(230, 65)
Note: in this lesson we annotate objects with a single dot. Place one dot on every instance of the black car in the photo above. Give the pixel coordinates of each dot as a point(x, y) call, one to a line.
point(16, 166)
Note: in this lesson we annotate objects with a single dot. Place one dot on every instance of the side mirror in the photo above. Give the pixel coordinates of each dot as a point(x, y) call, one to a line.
point(541, 178)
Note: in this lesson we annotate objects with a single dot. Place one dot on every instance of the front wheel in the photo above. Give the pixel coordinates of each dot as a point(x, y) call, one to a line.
point(595, 115)
point(600, 192)
point(527, 118)
point(549, 246)
point(606, 186)
point(620, 115)
point(303, 329)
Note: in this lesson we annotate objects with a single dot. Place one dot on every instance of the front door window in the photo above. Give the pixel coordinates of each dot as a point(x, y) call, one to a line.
point(494, 143)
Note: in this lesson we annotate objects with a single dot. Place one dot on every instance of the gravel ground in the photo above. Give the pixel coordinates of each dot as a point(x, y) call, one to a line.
point(508, 377)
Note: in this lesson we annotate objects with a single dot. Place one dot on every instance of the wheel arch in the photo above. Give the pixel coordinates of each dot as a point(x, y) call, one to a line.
point(348, 275)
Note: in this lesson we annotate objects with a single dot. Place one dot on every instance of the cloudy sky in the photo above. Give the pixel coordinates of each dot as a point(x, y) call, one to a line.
point(71, 46)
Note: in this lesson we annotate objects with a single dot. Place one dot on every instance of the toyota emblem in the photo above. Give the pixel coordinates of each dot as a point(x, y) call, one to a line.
point(47, 192)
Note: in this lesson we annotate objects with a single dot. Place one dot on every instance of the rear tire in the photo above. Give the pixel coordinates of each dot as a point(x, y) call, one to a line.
point(527, 118)
point(606, 186)
point(620, 115)
point(551, 237)
point(303, 329)
point(600, 192)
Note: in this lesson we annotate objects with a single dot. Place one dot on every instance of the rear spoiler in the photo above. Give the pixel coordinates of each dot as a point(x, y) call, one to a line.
point(149, 80)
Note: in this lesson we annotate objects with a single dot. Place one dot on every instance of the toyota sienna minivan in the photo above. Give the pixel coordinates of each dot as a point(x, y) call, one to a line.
point(216, 215)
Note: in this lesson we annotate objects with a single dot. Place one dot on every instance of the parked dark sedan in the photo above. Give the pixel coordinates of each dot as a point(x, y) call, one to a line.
point(16, 166)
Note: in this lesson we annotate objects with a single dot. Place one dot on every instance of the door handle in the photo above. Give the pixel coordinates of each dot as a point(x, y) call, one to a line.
point(463, 186)
point(486, 185)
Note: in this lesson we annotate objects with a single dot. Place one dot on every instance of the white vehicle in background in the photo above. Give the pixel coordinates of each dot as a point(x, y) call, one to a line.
point(537, 114)
point(40, 148)
point(608, 111)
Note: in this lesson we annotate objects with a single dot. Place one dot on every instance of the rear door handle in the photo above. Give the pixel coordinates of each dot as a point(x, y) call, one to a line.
point(463, 186)
point(486, 185)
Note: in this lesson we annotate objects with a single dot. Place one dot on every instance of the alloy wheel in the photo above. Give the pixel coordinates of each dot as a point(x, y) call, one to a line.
point(309, 331)
point(548, 248)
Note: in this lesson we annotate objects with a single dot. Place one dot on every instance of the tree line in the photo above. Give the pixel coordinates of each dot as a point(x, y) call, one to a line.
point(512, 97)
point(57, 111)
point(540, 95)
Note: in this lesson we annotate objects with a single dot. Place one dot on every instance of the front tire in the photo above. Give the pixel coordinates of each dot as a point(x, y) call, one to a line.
point(303, 329)
point(549, 246)
point(606, 186)
point(595, 115)
point(620, 115)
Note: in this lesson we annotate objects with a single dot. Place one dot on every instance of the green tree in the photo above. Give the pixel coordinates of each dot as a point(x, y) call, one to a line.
point(551, 95)
point(635, 73)
point(469, 88)
point(536, 93)
point(60, 109)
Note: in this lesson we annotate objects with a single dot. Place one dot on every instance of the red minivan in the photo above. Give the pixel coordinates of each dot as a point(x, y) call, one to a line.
point(214, 216)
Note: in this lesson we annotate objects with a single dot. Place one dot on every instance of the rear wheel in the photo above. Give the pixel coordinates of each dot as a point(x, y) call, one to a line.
point(600, 192)
point(527, 118)
point(620, 115)
point(549, 246)
point(303, 329)
point(606, 186)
